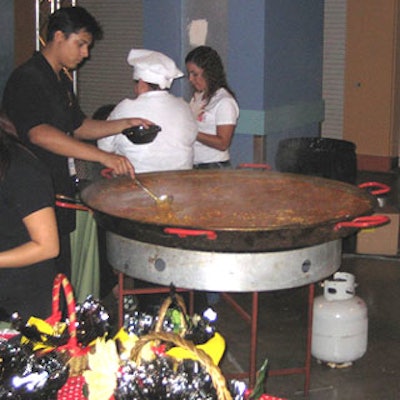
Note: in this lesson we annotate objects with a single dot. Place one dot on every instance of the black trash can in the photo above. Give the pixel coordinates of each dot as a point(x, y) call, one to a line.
point(325, 157)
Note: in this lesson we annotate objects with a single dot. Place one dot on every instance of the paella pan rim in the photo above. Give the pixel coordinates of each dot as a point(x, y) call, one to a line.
point(231, 236)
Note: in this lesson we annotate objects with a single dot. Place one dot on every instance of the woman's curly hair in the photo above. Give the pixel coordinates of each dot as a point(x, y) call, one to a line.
point(209, 60)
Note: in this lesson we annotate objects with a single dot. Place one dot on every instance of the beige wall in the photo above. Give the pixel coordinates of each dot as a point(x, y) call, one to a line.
point(371, 80)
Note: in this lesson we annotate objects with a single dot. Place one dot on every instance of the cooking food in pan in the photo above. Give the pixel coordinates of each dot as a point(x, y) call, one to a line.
point(231, 199)
point(245, 209)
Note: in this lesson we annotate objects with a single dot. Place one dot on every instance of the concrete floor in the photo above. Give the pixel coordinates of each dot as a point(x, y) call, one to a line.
point(282, 336)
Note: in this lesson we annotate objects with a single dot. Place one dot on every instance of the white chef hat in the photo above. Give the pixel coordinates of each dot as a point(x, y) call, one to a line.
point(153, 67)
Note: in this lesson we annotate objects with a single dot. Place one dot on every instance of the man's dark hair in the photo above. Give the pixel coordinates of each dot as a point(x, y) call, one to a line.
point(71, 20)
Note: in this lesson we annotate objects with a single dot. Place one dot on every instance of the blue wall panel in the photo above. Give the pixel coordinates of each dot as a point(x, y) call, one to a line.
point(293, 61)
point(162, 31)
point(273, 57)
point(246, 71)
point(293, 51)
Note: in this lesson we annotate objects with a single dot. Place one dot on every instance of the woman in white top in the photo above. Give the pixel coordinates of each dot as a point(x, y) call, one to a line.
point(214, 106)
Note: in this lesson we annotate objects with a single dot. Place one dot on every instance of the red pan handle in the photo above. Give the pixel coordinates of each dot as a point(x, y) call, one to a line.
point(381, 187)
point(363, 222)
point(72, 206)
point(258, 166)
point(182, 233)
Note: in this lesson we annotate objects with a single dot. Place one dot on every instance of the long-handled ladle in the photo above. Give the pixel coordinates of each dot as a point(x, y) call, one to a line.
point(161, 200)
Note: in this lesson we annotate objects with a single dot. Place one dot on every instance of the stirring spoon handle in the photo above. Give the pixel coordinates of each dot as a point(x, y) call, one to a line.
point(147, 190)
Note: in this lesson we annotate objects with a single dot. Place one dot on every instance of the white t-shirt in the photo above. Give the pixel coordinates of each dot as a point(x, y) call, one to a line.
point(221, 110)
point(172, 149)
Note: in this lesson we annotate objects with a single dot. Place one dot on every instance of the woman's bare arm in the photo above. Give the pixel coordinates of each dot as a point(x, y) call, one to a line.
point(221, 141)
point(44, 243)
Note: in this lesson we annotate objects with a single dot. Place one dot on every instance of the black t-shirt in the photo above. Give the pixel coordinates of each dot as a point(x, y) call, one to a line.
point(33, 96)
point(26, 188)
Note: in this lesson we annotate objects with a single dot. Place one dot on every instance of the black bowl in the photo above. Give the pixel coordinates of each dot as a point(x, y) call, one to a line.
point(140, 134)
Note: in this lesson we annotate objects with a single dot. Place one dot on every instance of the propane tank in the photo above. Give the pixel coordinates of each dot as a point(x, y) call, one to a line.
point(340, 323)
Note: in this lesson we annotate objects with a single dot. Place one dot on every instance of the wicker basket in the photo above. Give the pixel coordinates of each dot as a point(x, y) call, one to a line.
point(74, 353)
point(166, 304)
point(217, 377)
point(75, 356)
point(78, 362)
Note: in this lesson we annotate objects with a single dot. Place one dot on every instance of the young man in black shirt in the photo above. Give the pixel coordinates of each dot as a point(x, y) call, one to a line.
point(40, 101)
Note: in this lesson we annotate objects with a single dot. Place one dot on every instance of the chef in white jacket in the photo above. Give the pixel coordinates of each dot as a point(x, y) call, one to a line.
point(172, 149)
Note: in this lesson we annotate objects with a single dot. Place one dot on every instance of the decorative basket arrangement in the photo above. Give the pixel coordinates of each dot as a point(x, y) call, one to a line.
point(46, 354)
point(218, 380)
point(75, 359)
